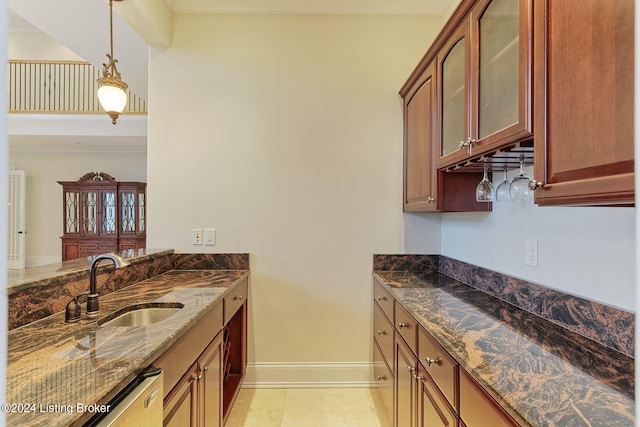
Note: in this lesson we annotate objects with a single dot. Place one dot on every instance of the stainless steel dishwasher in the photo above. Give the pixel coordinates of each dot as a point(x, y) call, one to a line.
point(139, 404)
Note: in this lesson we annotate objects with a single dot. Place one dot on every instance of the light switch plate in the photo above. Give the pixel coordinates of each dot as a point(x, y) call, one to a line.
point(210, 236)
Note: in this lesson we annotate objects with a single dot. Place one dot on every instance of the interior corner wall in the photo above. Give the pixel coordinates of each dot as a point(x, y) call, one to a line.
point(44, 195)
point(284, 133)
point(584, 251)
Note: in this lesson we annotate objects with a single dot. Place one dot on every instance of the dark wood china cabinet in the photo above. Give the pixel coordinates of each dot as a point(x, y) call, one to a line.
point(102, 215)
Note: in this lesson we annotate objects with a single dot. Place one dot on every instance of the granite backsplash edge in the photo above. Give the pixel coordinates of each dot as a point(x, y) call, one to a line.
point(45, 297)
point(606, 325)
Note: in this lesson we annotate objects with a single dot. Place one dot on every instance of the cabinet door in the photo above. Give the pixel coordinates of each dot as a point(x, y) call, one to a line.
point(433, 409)
point(405, 385)
point(501, 72)
point(384, 380)
point(453, 96)
point(180, 406)
point(584, 103)
point(210, 387)
point(419, 138)
point(477, 408)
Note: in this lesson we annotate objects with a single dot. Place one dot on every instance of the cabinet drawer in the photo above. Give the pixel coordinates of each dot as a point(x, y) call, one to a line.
point(384, 380)
point(440, 366)
point(477, 408)
point(407, 326)
point(234, 300)
point(383, 334)
point(383, 298)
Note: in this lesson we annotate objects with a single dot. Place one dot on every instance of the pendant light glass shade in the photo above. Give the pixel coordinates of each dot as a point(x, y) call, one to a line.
point(112, 91)
point(112, 96)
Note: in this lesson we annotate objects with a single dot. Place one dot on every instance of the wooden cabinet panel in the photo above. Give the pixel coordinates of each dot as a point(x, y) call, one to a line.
point(384, 378)
point(407, 327)
point(433, 409)
point(180, 409)
point(383, 334)
point(477, 408)
point(210, 386)
point(584, 103)
point(405, 413)
point(383, 299)
point(419, 138)
point(442, 368)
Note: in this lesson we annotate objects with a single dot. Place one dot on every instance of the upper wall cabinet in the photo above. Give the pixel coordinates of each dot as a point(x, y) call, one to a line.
point(484, 71)
point(584, 103)
point(425, 188)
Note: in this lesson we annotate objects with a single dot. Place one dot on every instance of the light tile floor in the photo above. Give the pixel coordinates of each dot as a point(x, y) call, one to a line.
point(344, 407)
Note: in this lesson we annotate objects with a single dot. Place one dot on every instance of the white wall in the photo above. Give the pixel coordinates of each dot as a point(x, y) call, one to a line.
point(585, 251)
point(284, 133)
point(44, 194)
point(33, 44)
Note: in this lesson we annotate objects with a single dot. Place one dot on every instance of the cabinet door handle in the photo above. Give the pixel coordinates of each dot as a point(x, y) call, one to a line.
point(402, 325)
point(417, 377)
point(534, 185)
point(410, 369)
point(431, 361)
point(379, 332)
point(381, 378)
point(205, 369)
point(430, 199)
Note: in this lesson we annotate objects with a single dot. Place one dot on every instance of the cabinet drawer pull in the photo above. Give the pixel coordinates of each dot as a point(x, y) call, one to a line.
point(205, 369)
point(431, 361)
point(379, 332)
point(238, 298)
point(410, 369)
point(402, 325)
point(381, 298)
point(381, 378)
point(417, 377)
point(430, 199)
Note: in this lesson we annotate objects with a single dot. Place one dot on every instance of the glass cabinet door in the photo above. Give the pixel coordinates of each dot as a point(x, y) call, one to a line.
point(128, 211)
point(90, 212)
point(454, 95)
point(108, 219)
point(499, 32)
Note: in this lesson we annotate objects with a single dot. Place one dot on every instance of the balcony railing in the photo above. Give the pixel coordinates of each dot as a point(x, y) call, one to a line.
point(59, 87)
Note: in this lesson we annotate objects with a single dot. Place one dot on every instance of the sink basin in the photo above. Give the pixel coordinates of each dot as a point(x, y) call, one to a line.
point(141, 314)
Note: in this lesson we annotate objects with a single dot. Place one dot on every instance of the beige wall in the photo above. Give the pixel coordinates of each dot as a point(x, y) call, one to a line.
point(44, 194)
point(284, 133)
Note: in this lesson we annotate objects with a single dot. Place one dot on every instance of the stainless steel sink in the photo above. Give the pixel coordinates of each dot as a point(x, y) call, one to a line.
point(141, 314)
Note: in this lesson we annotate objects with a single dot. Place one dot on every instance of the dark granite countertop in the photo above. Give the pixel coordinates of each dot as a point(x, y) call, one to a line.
point(53, 366)
point(542, 374)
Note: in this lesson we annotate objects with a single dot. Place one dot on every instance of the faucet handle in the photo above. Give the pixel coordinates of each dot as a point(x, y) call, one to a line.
point(74, 309)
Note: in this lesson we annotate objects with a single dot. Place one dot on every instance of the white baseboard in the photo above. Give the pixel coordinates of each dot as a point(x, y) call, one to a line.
point(309, 375)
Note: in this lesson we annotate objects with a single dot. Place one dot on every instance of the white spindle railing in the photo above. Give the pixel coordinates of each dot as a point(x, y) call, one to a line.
point(59, 87)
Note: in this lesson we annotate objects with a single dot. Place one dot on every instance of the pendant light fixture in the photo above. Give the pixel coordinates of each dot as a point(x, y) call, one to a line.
point(112, 91)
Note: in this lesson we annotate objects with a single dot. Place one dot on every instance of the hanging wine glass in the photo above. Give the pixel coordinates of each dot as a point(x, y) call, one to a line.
point(519, 188)
point(484, 189)
point(502, 192)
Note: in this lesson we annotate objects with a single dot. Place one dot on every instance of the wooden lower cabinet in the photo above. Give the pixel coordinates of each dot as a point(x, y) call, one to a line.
point(433, 409)
point(478, 408)
point(406, 391)
point(384, 380)
point(204, 369)
point(196, 400)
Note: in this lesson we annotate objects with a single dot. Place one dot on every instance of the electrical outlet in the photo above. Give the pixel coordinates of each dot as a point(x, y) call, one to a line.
point(196, 236)
point(209, 236)
point(531, 252)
